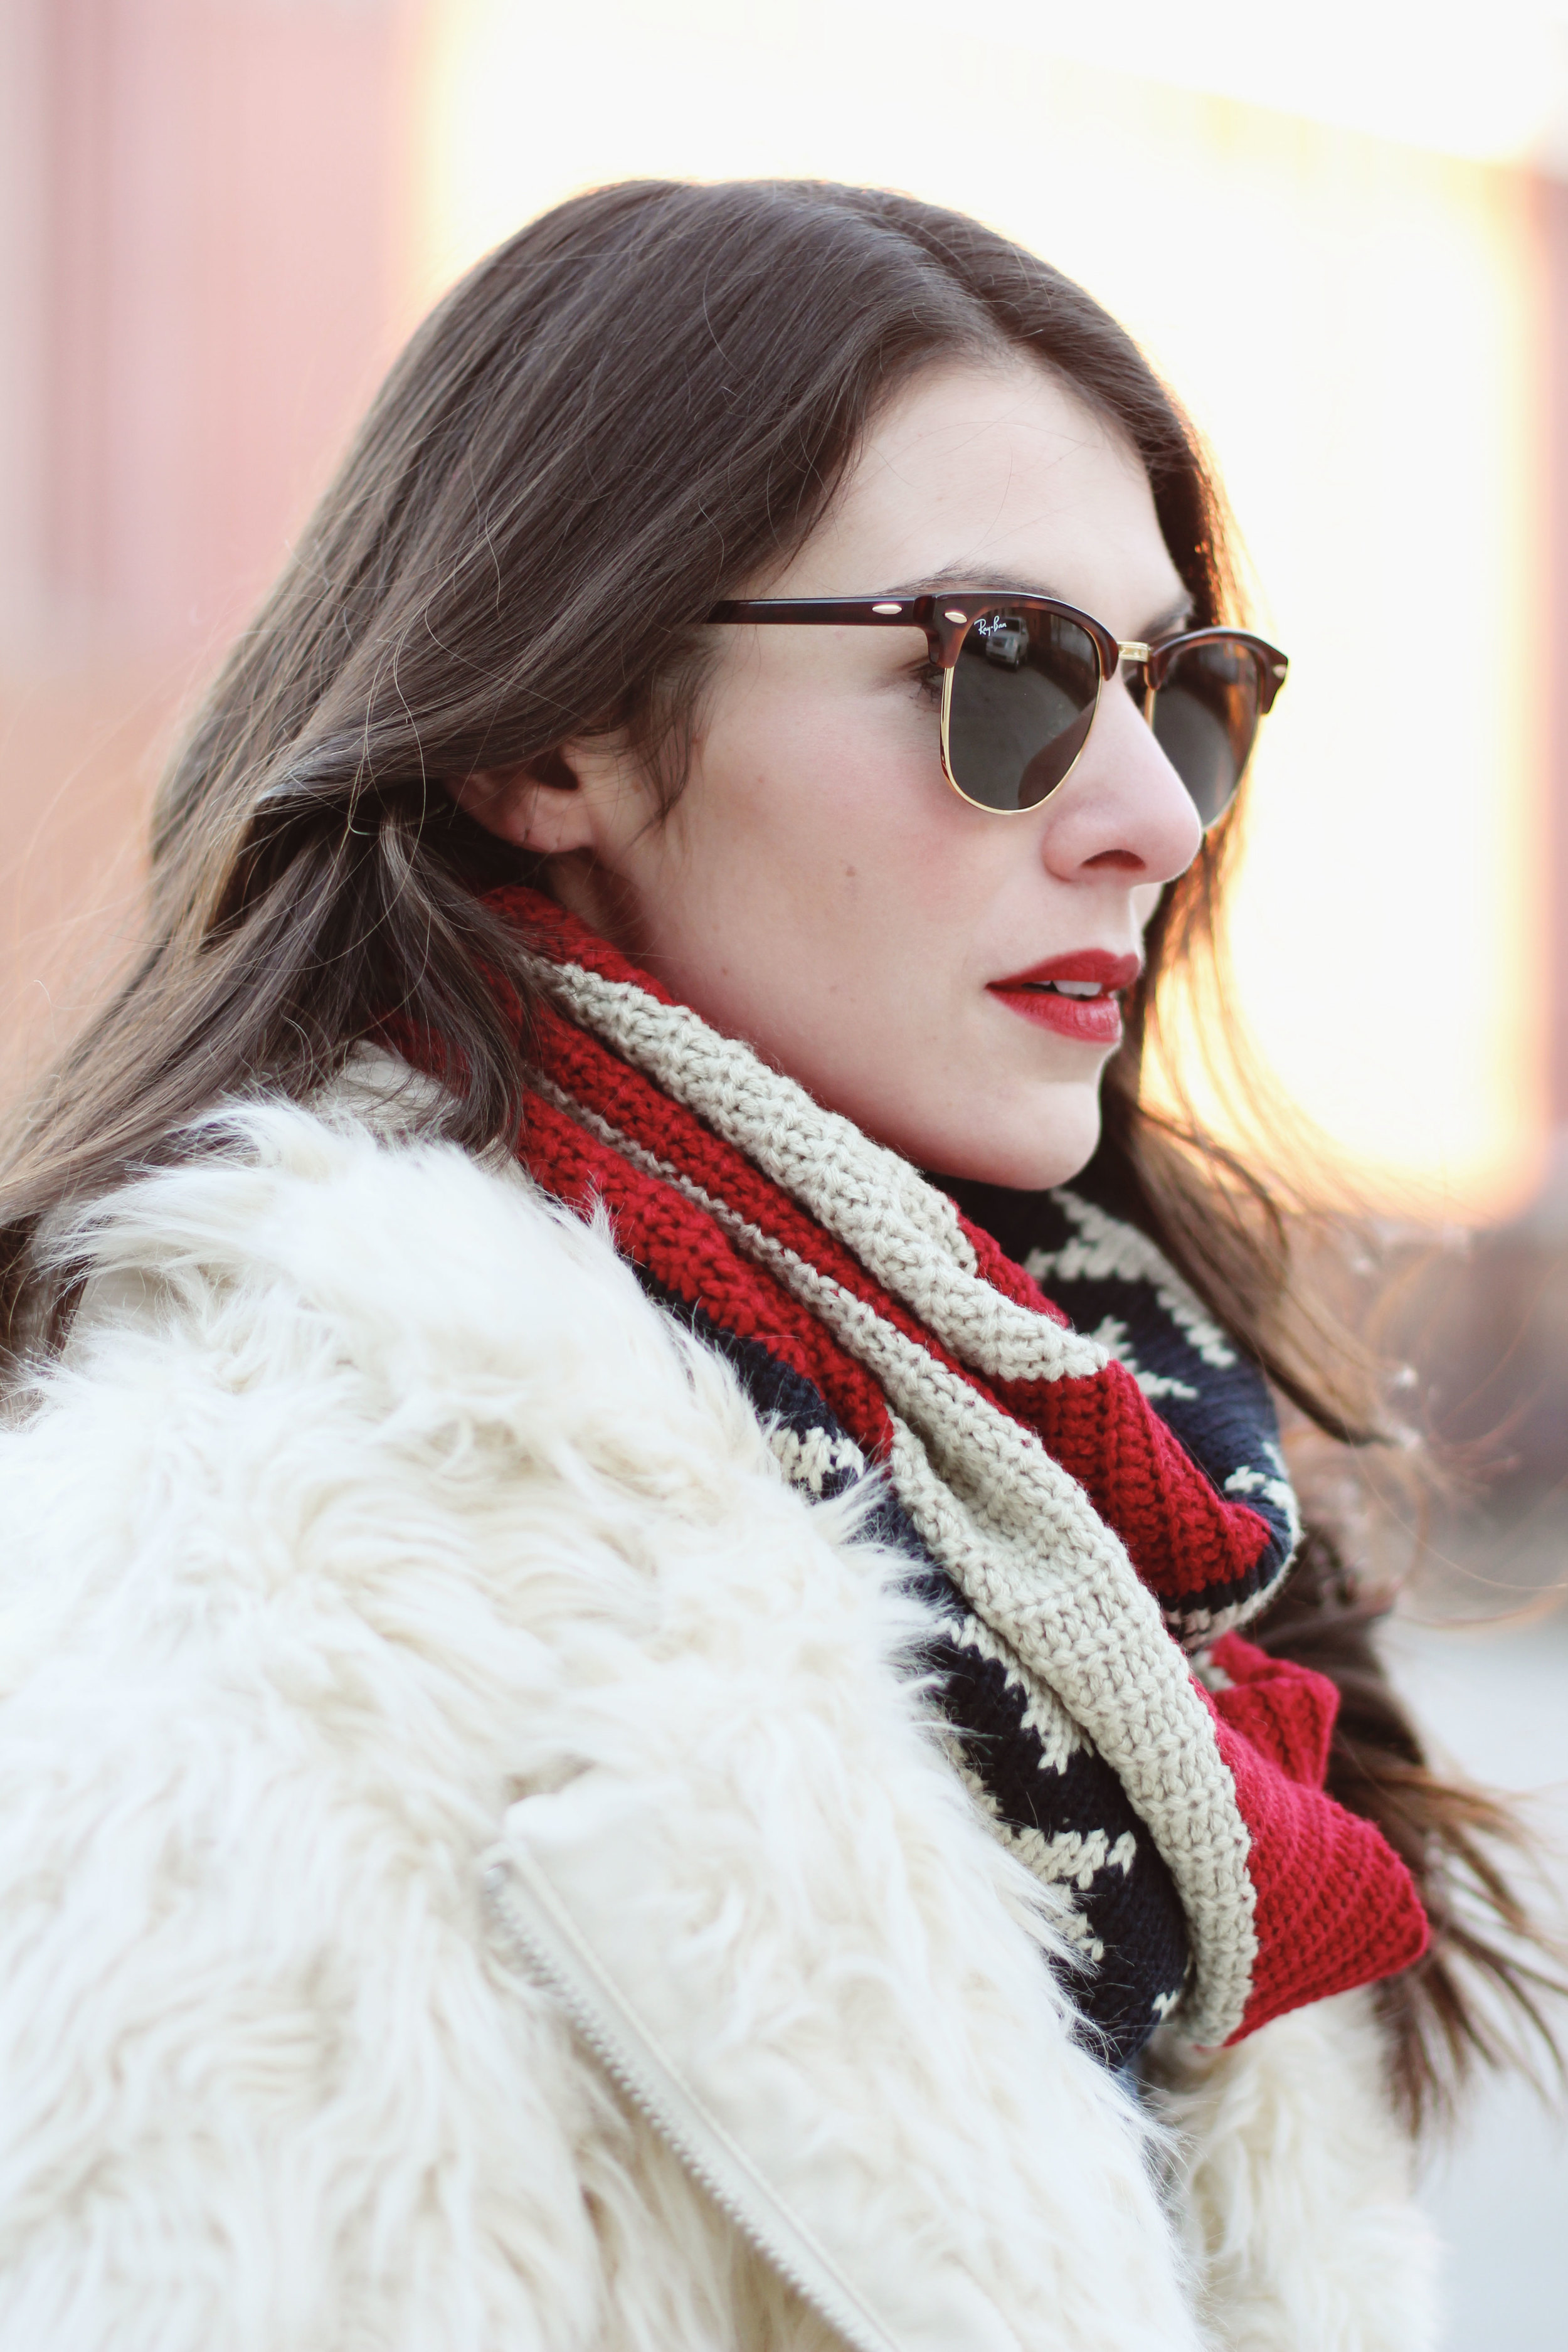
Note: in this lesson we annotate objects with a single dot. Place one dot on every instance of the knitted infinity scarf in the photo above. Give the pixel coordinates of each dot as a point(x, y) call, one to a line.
point(1074, 1506)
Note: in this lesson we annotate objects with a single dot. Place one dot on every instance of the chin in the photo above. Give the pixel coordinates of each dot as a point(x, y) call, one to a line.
point(1040, 1143)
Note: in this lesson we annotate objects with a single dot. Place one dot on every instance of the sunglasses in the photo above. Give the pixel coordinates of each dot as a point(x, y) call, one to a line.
point(1020, 684)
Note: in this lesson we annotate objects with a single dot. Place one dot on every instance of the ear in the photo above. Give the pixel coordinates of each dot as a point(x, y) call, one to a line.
point(540, 807)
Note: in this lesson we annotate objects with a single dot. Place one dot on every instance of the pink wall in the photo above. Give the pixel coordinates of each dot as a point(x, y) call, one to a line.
point(219, 192)
point(200, 291)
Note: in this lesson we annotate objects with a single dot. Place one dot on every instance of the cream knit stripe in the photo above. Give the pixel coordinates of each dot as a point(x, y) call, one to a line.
point(1027, 1549)
point(903, 1230)
point(1122, 1677)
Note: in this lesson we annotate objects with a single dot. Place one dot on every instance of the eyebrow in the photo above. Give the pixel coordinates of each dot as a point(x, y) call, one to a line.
point(956, 577)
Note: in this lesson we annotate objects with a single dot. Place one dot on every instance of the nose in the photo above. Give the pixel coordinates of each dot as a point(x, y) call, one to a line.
point(1123, 808)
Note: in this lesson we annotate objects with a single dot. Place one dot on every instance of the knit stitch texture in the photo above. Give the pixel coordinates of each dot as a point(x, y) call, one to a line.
point(1076, 1505)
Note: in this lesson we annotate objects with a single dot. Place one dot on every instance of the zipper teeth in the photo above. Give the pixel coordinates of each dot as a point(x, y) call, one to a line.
point(860, 2328)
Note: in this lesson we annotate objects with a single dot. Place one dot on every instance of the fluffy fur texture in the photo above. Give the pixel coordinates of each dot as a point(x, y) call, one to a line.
point(1293, 2183)
point(375, 1512)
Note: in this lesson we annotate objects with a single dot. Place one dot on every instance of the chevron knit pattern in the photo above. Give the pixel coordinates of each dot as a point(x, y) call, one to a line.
point(1038, 1479)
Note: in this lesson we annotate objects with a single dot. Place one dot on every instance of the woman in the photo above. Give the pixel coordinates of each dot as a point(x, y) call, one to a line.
point(601, 1745)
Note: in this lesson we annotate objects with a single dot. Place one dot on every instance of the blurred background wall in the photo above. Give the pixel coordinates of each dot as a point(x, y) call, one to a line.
point(201, 275)
point(1342, 233)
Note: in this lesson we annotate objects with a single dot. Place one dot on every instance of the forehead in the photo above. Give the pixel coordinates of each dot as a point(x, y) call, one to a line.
point(994, 473)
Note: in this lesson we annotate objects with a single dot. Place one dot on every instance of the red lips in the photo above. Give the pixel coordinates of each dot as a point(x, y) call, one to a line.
point(1092, 1020)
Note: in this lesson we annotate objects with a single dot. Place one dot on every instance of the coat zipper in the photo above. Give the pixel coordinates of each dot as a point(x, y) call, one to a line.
point(548, 1941)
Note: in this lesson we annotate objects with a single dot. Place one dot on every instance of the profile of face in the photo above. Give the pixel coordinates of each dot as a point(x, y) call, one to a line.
point(819, 890)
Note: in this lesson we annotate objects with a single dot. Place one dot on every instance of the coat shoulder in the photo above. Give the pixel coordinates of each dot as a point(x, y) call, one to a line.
point(312, 1321)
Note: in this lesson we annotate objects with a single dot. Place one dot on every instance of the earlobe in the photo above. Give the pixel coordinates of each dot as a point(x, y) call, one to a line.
point(540, 806)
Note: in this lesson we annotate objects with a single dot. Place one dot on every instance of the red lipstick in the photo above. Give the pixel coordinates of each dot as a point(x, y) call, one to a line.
point(1073, 995)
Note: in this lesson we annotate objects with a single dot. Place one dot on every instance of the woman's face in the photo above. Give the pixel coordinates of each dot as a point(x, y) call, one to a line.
point(819, 890)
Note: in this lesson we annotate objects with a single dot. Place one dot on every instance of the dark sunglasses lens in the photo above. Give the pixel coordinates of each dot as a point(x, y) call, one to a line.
point(1023, 697)
point(1205, 718)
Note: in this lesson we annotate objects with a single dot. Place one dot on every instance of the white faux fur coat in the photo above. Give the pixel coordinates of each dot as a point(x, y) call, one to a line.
point(477, 1873)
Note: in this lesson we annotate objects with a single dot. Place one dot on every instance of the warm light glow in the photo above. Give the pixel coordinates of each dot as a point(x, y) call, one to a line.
point(1491, 85)
point(1349, 321)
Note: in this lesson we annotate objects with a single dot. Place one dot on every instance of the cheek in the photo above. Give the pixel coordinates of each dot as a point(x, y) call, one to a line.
point(818, 865)
point(817, 797)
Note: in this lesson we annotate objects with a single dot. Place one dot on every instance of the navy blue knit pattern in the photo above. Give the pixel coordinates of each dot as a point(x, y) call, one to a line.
point(1131, 1934)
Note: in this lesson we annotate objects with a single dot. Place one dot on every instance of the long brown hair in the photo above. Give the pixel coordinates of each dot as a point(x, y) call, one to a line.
point(639, 404)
